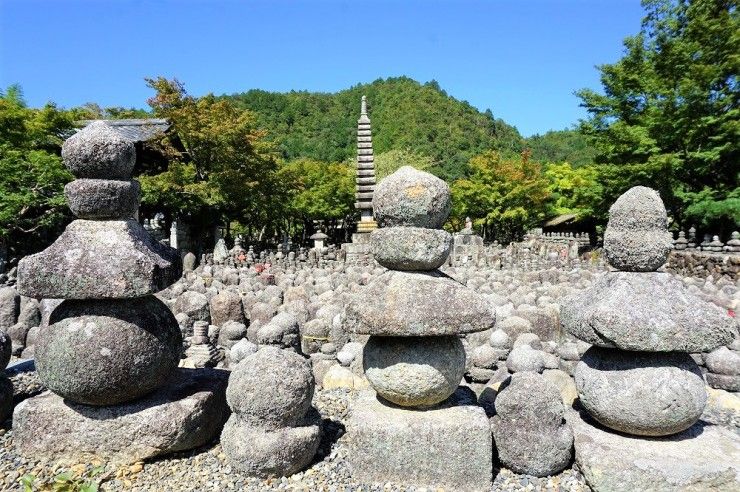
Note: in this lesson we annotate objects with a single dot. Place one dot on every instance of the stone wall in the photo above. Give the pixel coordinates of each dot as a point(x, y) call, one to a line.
point(704, 264)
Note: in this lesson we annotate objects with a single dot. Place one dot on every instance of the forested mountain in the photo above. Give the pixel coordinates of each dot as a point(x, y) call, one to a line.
point(406, 115)
point(562, 146)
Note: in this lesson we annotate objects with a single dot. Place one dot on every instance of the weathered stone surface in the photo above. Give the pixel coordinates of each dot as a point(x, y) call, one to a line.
point(103, 198)
point(98, 151)
point(723, 381)
point(6, 348)
point(410, 197)
point(226, 306)
point(9, 307)
point(724, 361)
point(414, 371)
point(564, 383)
point(193, 304)
point(450, 447)
point(105, 352)
point(99, 260)
point(525, 359)
point(270, 453)
point(271, 389)
point(636, 238)
point(641, 393)
point(410, 248)
point(529, 432)
point(241, 350)
point(703, 457)
point(646, 312)
point(187, 412)
point(514, 326)
point(398, 304)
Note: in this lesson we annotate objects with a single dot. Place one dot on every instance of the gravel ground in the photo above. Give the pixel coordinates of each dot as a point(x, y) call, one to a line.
point(206, 468)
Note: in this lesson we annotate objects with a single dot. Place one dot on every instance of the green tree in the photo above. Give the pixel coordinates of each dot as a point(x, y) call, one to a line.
point(562, 146)
point(670, 111)
point(228, 171)
point(32, 177)
point(317, 191)
point(573, 190)
point(504, 197)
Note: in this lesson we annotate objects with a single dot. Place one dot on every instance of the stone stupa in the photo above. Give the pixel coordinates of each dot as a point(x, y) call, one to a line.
point(414, 358)
point(110, 351)
point(638, 378)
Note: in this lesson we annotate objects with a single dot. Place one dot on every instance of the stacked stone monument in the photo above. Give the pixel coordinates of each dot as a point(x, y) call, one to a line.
point(109, 352)
point(273, 430)
point(638, 378)
point(414, 358)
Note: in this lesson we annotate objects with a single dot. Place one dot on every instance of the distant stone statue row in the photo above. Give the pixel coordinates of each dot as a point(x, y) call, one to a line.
point(710, 243)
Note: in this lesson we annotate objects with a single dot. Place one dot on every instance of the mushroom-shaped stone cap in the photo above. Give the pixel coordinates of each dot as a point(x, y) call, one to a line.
point(319, 235)
point(637, 237)
point(410, 197)
point(99, 152)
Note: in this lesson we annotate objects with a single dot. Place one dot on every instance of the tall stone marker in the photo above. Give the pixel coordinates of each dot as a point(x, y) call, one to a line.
point(109, 353)
point(417, 427)
point(638, 378)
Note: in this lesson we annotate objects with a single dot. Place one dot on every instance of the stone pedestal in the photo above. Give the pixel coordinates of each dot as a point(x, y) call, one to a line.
point(187, 412)
point(703, 457)
point(449, 446)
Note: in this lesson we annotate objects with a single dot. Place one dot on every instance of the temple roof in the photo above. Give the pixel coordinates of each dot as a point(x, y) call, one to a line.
point(135, 130)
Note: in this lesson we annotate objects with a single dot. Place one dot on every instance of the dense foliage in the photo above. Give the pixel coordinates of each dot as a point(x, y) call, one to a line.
point(668, 117)
point(406, 115)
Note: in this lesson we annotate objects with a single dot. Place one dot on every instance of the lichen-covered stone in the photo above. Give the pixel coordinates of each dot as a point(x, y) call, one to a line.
point(646, 312)
point(410, 248)
point(103, 198)
point(271, 388)
point(414, 371)
point(417, 304)
point(99, 260)
point(410, 197)
point(262, 453)
point(641, 393)
point(187, 412)
point(529, 432)
point(98, 151)
point(636, 238)
point(105, 352)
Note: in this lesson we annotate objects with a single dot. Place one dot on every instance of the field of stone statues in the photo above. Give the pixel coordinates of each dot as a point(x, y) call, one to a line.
point(130, 369)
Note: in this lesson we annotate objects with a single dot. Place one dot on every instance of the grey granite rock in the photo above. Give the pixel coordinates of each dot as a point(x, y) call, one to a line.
point(723, 381)
point(648, 312)
point(105, 352)
point(269, 453)
point(410, 197)
point(271, 389)
point(701, 458)
point(187, 412)
point(636, 238)
point(500, 339)
point(230, 333)
point(449, 446)
point(514, 326)
point(99, 260)
point(410, 248)
point(485, 357)
point(414, 371)
point(723, 361)
point(9, 307)
point(189, 262)
point(103, 198)
point(641, 393)
point(226, 306)
point(193, 304)
point(398, 304)
point(525, 359)
point(98, 151)
point(241, 350)
point(529, 432)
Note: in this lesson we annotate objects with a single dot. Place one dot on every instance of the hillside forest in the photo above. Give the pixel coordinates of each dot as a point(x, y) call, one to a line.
point(268, 164)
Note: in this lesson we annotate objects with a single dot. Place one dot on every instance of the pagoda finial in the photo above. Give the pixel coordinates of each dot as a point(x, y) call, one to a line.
point(363, 108)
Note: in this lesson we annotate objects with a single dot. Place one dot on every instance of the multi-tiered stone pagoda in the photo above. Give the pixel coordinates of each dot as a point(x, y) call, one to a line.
point(110, 351)
point(364, 188)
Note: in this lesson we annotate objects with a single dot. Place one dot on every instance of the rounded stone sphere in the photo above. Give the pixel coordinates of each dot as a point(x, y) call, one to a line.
point(98, 151)
point(641, 393)
point(414, 371)
point(103, 198)
point(271, 388)
point(410, 197)
point(105, 352)
point(410, 248)
point(637, 238)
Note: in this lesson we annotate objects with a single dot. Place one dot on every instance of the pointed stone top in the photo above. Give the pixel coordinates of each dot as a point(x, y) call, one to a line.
point(363, 106)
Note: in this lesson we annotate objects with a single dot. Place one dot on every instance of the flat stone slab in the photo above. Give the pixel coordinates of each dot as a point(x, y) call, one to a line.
point(99, 259)
point(646, 311)
point(189, 411)
point(417, 304)
point(449, 447)
point(703, 457)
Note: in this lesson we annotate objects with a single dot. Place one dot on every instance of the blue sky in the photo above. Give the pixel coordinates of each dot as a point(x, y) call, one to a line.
point(521, 58)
